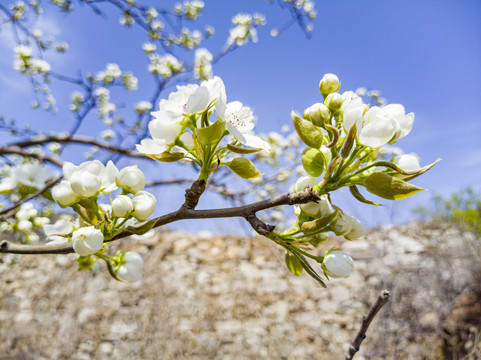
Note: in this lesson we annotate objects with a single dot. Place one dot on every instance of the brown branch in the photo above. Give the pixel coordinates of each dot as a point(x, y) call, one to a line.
point(11, 149)
point(366, 321)
point(185, 212)
point(80, 140)
point(9, 211)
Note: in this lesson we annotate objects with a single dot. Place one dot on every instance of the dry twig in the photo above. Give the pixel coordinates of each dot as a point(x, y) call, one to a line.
point(366, 321)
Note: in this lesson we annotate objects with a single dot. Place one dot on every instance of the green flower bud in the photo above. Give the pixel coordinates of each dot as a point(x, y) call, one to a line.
point(329, 84)
point(310, 134)
point(318, 114)
point(389, 187)
point(333, 102)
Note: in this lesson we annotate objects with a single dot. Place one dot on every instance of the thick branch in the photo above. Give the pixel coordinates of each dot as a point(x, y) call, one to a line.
point(247, 212)
point(366, 321)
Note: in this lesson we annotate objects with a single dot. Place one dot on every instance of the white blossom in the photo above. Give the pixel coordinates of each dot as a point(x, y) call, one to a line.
point(144, 205)
point(337, 264)
point(131, 269)
point(131, 179)
point(87, 240)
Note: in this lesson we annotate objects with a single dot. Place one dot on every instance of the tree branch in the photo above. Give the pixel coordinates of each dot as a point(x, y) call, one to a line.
point(366, 321)
point(11, 149)
point(185, 212)
point(77, 139)
point(9, 211)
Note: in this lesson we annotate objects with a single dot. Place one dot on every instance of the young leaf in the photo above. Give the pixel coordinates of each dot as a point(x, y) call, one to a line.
point(355, 192)
point(293, 264)
point(242, 150)
point(310, 134)
point(313, 161)
point(389, 187)
point(244, 168)
point(210, 135)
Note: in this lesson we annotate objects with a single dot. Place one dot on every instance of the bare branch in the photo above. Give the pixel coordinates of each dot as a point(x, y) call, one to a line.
point(9, 211)
point(19, 151)
point(80, 140)
point(366, 321)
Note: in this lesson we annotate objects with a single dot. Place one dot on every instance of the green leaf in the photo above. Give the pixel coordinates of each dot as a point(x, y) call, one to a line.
point(318, 224)
point(244, 168)
point(305, 264)
point(310, 134)
point(389, 187)
point(355, 192)
point(167, 156)
point(210, 135)
point(313, 161)
point(142, 229)
point(293, 264)
point(242, 150)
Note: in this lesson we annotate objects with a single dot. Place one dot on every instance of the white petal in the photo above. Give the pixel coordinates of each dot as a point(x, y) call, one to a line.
point(378, 132)
point(256, 142)
point(151, 147)
point(198, 101)
point(394, 110)
point(164, 130)
point(234, 132)
point(68, 168)
point(405, 124)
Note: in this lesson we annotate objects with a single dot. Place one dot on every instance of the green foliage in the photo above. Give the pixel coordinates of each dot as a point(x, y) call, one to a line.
point(463, 208)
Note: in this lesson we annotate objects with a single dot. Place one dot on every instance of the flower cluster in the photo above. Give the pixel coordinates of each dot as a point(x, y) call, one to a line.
point(81, 188)
point(26, 63)
point(190, 9)
point(181, 129)
point(245, 28)
point(203, 64)
point(347, 141)
point(165, 66)
point(24, 223)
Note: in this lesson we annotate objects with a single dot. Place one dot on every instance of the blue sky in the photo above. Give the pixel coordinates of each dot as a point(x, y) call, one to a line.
point(424, 54)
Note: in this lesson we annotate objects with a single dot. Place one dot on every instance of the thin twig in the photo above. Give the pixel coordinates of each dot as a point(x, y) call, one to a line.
point(366, 321)
point(9, 211)
point(77, 139)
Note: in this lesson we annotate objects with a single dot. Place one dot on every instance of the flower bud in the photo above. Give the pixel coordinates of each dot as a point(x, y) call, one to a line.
point(87, 240)
point(317, 114)
point(333, 102)
point(329, 84)
point(407, 162)
point(337, 264)
point(131, 269)
point(304, 182)
point(342, 224)
point(122, 205)
point(24, 225)
point(317, 209)
point(63, 194)
point(84, 183)
point(357, 229)
point(131, 179)
point(144, 205)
